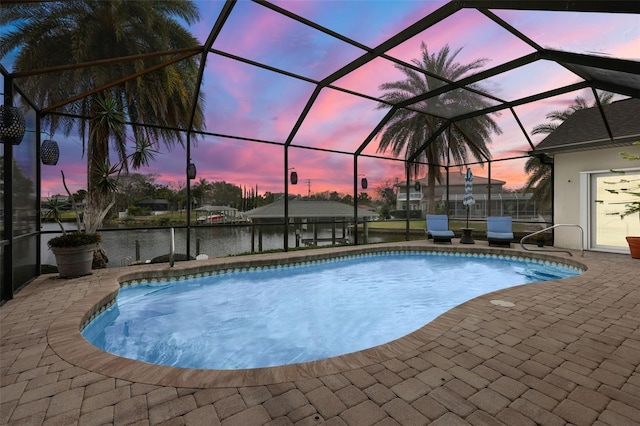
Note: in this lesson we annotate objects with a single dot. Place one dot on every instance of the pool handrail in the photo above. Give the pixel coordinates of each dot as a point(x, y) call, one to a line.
point(558, 250)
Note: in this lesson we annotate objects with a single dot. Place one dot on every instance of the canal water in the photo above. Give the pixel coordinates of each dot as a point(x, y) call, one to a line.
point(120, 245)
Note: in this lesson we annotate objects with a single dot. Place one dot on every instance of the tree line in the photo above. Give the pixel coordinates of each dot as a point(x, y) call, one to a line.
point(137, 187)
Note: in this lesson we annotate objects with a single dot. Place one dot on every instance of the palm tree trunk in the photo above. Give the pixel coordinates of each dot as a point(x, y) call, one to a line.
point(97, 204)
point(431, 190)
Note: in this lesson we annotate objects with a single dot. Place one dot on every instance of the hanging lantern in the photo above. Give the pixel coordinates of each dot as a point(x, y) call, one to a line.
point(12, 125)
point(364, 183)
point(294, 177)
point(417, 186)
point(191, 171)
point(49, 152)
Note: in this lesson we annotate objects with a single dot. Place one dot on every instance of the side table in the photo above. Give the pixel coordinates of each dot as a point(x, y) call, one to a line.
point(467, 237)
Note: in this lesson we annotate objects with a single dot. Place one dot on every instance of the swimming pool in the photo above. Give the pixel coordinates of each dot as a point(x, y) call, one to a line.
point(290, 314)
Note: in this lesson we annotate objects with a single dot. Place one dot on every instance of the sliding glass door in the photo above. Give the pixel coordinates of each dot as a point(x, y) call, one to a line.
point(607, 230)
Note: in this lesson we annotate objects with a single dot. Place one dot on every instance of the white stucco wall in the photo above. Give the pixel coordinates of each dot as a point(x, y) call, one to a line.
point(568, 195)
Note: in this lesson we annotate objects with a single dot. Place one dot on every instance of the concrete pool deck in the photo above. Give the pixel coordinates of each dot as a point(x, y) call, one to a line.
point(566, 352)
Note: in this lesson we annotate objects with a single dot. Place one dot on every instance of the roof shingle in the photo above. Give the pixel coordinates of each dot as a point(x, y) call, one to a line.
point(585, 129)
point(307, 209)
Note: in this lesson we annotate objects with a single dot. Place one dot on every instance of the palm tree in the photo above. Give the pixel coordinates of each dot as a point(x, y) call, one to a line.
point(558, 117)
point(539, 182)
point(51, 34)
point(538, 168)
point(200, 190)
point(408, 129)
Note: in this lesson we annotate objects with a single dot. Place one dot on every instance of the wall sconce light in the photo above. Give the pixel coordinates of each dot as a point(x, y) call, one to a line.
point(49, 152)
point(417, 186)
point(12, 125)
point(294, 176)
point(191, 171)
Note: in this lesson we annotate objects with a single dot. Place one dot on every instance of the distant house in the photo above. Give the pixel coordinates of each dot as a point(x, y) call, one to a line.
point(502, 203)
point(157, 206)
point(585, 149)
point(308, 210)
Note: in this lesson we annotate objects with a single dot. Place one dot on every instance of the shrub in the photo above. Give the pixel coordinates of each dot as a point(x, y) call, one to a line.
point(74, 239)
point(164, 221)
point(138, 211)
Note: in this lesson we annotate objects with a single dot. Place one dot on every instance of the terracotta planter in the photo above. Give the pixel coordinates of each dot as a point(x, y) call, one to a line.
point(74, 261)
point(634, 246)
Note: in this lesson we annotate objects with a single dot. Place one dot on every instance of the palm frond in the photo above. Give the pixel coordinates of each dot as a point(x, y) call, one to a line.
point(144, 154)
point(107, 180)
point(407, 132)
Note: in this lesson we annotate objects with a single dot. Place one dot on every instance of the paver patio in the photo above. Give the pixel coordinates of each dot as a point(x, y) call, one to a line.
point(566, 352)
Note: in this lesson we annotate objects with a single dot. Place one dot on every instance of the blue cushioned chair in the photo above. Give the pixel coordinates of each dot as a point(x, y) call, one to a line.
point(438, 228)
point(499, 230)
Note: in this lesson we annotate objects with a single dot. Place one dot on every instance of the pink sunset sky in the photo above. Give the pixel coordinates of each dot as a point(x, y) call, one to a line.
point(248, 102)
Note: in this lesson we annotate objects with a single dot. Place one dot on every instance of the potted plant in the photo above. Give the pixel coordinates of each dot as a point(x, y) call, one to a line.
point(78, 252)
point(630, 207)
point(73, 250)
point(74, 253)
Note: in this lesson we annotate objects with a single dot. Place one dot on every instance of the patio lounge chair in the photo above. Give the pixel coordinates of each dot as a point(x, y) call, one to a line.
point(438, 228)
point(499, 230)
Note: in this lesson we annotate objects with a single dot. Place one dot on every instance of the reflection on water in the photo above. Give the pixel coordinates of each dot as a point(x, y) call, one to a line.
point(120, 245)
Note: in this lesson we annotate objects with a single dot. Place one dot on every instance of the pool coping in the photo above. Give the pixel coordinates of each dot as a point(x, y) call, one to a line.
point(64, 334)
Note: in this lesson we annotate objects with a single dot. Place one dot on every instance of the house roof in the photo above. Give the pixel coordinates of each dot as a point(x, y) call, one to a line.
point(307, 209)
point(210, 208)
point(456, 178)
point(586, 128)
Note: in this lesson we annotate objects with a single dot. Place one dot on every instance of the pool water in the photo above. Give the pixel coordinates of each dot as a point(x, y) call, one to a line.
point(301, 313)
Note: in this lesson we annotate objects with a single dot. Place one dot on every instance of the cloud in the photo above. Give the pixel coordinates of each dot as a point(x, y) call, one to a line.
point(475, 34)
point(249, 102)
